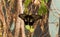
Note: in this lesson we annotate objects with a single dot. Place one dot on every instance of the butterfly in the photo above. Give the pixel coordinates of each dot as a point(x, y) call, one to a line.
point(29, 19)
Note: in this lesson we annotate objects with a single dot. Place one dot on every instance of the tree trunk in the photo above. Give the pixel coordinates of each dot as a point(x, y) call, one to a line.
point(3, 21)
point(41, 27)
point(19, 21)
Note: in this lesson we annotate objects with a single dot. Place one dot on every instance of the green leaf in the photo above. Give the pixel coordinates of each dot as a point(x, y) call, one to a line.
point(26, 3)
point(31, 29)
point(39, 11)
point(27, 27)
point(42, 9)
point(46, 1)
point(26, 10)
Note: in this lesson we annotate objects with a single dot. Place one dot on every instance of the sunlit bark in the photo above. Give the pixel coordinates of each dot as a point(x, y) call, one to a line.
point(19, 21)
point(3, 20)
point(19, 24)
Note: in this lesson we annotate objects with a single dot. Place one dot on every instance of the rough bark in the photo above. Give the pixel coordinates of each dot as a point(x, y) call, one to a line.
point(3, 21)
point(9, 15)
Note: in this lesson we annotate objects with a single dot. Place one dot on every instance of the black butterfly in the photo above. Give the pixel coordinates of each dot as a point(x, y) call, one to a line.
point(30, 19)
